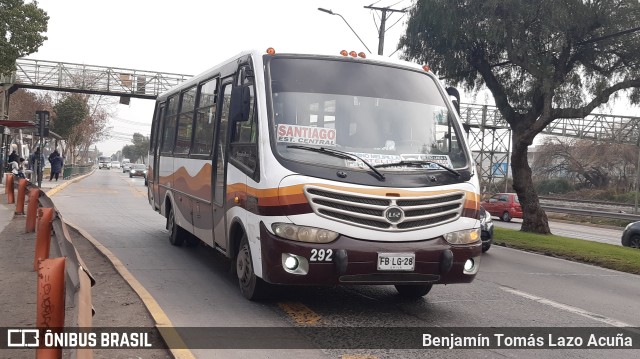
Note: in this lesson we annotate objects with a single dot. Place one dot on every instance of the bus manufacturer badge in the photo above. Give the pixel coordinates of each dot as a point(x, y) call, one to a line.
point(394, 214)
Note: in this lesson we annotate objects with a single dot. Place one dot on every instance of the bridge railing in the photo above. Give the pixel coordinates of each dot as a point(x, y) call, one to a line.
point(40, 74)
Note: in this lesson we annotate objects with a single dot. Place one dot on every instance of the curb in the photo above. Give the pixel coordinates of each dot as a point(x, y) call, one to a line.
point(62, 186)
point(158, 315)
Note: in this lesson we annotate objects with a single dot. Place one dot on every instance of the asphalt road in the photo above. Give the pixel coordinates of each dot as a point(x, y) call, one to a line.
point(194, 288)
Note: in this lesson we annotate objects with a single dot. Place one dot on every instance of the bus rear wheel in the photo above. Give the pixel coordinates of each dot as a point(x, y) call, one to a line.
point(413, 290)
point(176, 233)
point(252, 287)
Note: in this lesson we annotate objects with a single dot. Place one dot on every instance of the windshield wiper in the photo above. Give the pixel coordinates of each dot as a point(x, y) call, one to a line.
point(418, 164)
point(340, 154)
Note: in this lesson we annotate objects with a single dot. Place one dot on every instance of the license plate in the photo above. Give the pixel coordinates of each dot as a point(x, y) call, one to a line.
point(396, 261)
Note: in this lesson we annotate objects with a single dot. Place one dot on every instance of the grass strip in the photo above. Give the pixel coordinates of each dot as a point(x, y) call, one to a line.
point(605, 255)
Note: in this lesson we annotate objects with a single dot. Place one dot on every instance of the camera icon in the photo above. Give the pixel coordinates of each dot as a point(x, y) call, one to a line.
point(23, 338)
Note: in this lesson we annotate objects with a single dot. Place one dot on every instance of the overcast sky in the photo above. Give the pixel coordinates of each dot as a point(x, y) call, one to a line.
point(190, 36)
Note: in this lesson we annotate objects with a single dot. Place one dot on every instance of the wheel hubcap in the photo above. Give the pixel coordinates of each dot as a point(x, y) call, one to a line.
point(635, 242)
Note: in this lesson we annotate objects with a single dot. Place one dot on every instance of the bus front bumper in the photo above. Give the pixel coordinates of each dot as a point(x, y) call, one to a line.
point(355, 261)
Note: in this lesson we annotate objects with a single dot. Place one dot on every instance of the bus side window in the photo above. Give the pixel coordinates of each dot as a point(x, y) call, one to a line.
point(171, 117)
point(244, 141)
point(185, 121)
point(205, 119)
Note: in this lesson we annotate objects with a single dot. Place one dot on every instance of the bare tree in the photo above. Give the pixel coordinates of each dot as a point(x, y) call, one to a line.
point(592, 164)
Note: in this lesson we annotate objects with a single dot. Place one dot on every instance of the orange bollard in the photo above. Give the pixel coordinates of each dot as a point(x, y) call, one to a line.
point(22, 189)
point(43, 236)
point(8, 188)
point(50, 302)
point(32, 210)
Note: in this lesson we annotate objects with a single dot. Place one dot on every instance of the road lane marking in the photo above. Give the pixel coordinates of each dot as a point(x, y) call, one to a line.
point(568, 308)
point(300, 313)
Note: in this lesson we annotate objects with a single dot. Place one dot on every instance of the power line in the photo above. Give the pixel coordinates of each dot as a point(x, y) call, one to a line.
point(131, 122)
point(383, 19)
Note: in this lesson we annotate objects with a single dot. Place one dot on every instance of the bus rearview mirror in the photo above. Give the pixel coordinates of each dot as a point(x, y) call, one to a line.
point(240, 103)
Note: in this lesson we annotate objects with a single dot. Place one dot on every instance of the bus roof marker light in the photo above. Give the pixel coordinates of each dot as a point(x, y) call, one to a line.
point(271, 51)
point(344, 53)
point(362, 54)
point(426, 68)
point(353, 54)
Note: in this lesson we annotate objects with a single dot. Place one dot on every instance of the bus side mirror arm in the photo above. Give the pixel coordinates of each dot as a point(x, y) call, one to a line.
point(240, 104)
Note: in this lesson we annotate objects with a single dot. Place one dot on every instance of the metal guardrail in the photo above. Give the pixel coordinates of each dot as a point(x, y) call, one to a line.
point(65, 247)
point(592, 213)
point(78, 279)
point(589, 201)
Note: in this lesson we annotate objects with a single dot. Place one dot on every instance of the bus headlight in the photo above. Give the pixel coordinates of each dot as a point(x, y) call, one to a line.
point(463, 237)
point(303, 234)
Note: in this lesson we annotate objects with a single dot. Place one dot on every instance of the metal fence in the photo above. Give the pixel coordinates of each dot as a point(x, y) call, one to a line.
point(72, 171)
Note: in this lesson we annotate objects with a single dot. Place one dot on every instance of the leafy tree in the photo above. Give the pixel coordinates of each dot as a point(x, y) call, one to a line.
point(138, 150)
point(541, 59)
point(69, 113)
point(81, 120)
point(21, 31)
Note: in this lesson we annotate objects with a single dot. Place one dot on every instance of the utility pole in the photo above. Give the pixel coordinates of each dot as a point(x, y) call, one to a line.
point(383, 23)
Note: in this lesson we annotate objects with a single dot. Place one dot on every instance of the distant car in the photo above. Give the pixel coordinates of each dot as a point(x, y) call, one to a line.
point(138, 170)
point(486, 227)
point(115, 164)
point(631, 235)
point(126, 166)
point(504, 205)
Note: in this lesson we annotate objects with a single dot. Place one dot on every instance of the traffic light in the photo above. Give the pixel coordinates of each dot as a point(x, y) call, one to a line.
point(43, 123)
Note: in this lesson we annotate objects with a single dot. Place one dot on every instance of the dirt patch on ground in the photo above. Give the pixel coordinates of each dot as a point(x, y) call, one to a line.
point(115, 303)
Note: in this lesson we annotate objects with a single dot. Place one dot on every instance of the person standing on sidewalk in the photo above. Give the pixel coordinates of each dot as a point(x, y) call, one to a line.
point(36, 163)
point(13, 157)
point(56, 165)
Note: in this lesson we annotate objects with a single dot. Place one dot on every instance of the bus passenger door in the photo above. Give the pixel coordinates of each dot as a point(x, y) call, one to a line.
point(219, 167)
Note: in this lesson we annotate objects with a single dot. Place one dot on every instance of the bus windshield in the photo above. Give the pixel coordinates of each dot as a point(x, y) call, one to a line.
point(382, 114)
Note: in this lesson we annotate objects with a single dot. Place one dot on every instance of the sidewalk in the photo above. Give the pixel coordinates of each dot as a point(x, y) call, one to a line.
point(7, 210)
point(115, 303)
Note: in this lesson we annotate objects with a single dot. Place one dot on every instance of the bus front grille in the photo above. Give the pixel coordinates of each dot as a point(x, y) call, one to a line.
point(385, 213)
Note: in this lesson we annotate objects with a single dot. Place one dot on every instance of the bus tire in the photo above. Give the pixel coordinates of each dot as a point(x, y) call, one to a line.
point(176, 233)
point(252, 287)
point(413, 290)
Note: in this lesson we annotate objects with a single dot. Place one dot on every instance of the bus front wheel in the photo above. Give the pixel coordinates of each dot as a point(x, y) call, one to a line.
point(252, 287)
